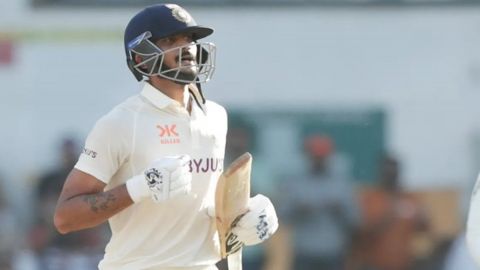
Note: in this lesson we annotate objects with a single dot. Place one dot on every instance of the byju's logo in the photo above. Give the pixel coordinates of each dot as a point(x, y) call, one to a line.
point(89, 152)
point(168, 134)
point(203, 165)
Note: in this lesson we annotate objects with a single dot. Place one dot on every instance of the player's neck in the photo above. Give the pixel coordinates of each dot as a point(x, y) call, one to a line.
point(169, 88)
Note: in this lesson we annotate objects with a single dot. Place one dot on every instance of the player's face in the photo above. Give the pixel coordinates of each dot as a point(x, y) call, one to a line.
point(179, 51)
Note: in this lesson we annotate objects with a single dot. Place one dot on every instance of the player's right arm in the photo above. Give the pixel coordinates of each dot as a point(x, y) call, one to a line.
point(83, 203)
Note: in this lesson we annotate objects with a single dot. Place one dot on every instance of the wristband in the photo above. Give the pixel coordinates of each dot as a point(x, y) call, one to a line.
point(137, 188)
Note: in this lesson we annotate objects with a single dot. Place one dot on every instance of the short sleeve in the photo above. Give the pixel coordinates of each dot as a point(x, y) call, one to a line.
point(224, 121)
point(219, 123)
point(105, 150)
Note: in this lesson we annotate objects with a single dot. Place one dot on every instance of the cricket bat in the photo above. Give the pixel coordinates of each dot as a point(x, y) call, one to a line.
point(231, 200)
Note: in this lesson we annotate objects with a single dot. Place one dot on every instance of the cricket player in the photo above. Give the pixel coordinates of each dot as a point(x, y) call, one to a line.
point(150, 166)
point(473, 223)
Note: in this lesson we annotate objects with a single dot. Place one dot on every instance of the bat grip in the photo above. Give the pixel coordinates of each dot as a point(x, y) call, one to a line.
point(234, 260)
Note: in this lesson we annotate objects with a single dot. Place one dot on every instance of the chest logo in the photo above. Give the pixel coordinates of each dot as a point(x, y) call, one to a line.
point(168, 134)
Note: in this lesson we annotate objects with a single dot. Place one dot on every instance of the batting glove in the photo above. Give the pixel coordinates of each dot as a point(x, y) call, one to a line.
point(259, 223)
point(165, 178)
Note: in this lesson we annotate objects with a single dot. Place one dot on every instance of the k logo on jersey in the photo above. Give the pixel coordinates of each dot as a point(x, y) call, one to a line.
point(168, 134)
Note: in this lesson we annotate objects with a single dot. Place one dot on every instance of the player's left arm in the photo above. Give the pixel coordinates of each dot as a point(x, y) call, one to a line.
point(260, 222)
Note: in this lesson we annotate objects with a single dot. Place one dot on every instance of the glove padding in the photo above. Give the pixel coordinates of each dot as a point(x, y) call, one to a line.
point(165, 178)
point(259, 223)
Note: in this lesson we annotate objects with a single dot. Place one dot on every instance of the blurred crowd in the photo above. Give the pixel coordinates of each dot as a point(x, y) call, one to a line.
point(331, 221)
point(41, 247)
point(328, 220)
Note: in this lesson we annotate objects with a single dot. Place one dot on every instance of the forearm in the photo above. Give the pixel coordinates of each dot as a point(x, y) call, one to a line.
point(89, 210)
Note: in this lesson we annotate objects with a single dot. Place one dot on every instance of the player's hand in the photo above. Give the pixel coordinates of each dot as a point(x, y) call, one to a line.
point(165, 178)
point(259, 223)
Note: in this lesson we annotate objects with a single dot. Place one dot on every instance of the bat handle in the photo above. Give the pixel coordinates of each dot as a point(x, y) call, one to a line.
point(235, 260)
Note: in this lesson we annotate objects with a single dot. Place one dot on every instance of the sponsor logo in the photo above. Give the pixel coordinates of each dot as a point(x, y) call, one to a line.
point(233, 244)
point(136, 41)
point(89, 152)
point(203, 165)
point(262, 226)
point(153, 177)
point(168, 134)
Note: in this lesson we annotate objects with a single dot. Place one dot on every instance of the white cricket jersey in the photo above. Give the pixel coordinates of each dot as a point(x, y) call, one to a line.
point(177, 232)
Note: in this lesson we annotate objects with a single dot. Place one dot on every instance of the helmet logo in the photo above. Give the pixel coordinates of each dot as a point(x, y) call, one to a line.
point(179, 13)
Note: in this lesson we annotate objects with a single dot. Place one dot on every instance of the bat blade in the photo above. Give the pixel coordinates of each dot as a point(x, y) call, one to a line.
point(231, 201)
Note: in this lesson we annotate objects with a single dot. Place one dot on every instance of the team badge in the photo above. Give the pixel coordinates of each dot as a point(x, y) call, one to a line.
point(179, 13)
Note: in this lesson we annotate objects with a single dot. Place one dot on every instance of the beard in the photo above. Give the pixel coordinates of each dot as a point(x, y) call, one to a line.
point(181, 75)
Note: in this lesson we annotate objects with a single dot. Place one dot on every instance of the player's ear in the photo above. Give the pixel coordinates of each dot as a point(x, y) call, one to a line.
point(138, 59)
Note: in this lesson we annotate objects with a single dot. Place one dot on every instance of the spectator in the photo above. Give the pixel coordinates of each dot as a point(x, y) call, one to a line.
point(319, 206)
point(391, 217)
point(52, 250)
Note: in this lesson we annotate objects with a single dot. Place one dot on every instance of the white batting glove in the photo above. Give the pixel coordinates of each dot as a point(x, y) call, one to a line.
point(165, 178)
point(259, 223)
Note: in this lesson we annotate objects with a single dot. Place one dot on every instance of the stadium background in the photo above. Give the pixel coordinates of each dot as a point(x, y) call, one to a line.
point(401, 77)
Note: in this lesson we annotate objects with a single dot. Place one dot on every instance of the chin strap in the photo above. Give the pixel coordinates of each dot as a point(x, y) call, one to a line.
point(196, 91)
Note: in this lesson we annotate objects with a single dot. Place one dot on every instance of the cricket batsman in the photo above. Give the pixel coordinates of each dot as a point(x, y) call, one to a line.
point(473, 223)
point(150, 166)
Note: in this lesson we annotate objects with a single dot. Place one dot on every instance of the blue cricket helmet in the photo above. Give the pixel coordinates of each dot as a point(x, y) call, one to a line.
point(157, 22)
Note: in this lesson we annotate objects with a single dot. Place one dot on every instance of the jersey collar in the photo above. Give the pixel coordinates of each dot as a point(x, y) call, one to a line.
point(158, 98)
